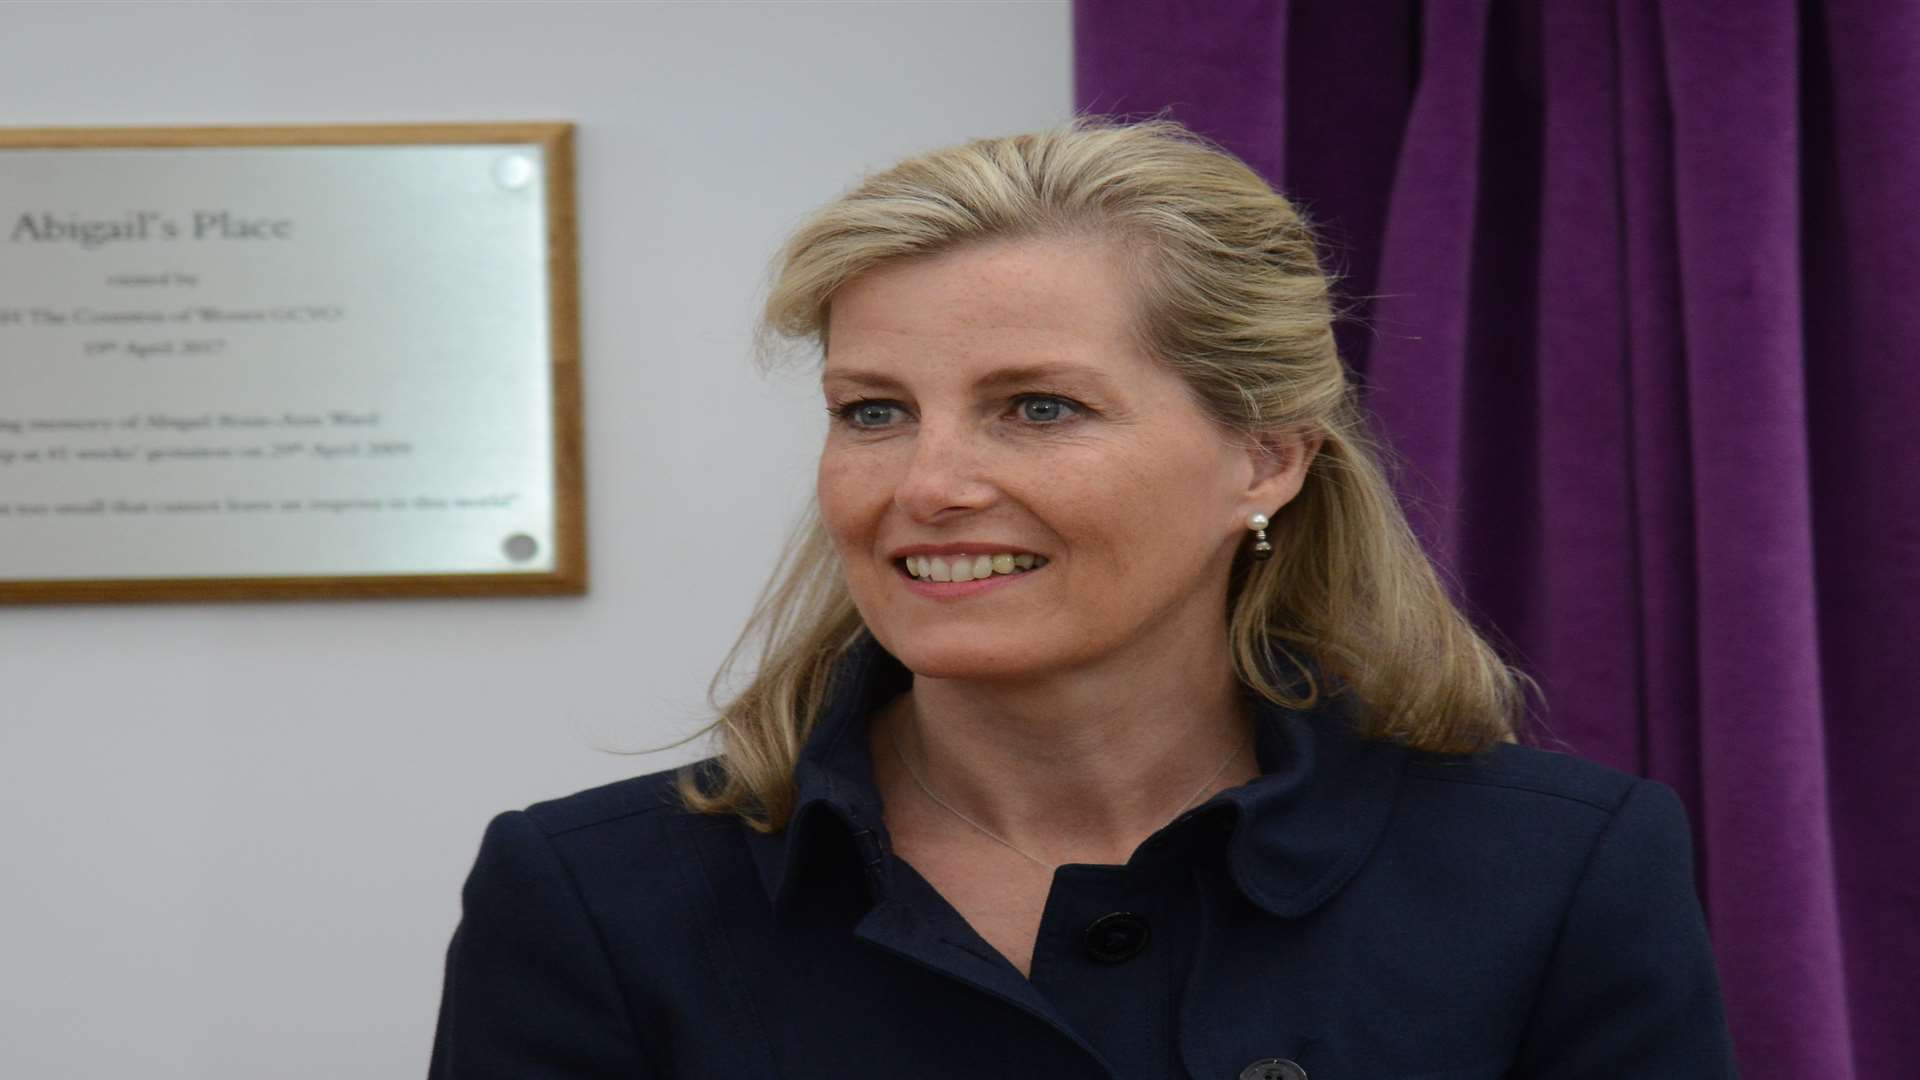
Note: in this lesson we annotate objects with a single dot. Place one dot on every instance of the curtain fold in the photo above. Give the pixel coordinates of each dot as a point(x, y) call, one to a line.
point(1632, 292)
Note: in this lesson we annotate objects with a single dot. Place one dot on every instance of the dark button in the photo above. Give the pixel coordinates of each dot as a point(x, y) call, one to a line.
point(1117, 937)
point(1273, 1069)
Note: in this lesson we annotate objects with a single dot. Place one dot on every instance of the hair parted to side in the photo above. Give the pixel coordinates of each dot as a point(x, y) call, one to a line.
point(1234, 300)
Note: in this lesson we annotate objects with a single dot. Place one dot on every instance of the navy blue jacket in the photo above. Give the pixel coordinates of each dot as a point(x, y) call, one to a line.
point(1360, 910)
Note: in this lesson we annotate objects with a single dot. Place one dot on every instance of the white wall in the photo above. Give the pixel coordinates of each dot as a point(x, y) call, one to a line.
point(232, 836)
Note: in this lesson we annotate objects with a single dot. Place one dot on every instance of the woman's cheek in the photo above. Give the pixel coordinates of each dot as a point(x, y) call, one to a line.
point(851, 493)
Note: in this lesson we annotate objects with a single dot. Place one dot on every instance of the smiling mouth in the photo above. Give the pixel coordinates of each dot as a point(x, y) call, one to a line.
point(967, 567)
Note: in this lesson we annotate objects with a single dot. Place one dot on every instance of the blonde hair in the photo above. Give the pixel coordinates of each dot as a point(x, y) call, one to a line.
point(1234, 300)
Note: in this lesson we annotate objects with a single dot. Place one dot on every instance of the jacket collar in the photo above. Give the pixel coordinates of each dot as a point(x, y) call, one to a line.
point(1298, 832)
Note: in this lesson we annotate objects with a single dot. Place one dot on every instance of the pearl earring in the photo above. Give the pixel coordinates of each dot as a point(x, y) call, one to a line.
point(1261, 549)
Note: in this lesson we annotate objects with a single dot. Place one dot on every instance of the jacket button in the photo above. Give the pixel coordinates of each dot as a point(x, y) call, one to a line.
point(1114, 938)
point(1273, 1069)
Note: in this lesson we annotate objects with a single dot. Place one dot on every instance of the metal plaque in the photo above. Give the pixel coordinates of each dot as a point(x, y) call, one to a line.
point(272, 362)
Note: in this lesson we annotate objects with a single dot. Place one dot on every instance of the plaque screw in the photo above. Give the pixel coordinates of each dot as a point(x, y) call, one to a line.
point(513, 172)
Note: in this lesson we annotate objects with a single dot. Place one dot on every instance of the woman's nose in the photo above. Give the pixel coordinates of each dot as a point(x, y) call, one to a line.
point(944, 473)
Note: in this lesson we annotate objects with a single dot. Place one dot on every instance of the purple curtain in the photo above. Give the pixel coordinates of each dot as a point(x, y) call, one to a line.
point(1637, 298)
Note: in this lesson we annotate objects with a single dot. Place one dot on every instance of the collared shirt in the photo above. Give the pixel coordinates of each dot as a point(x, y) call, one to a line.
point(1358, 909)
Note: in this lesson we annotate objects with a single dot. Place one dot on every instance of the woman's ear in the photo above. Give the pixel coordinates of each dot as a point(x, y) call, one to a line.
point(1280, 461)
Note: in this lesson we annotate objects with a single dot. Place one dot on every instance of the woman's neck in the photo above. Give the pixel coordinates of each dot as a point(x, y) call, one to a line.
point(1078, 767)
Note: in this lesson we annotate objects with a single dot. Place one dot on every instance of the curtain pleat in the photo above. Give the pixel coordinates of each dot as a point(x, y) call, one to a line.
point(1590, 638)
point(1763, 768)
point(1421, 316)
point(1860, 162)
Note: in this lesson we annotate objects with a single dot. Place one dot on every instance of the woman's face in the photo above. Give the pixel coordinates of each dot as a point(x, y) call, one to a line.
point(990, 401)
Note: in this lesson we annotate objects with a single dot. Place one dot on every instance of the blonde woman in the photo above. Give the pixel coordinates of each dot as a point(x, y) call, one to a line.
point(1107, 720)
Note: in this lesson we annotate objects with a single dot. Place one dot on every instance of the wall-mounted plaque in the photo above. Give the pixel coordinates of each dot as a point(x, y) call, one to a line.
point(250, 363)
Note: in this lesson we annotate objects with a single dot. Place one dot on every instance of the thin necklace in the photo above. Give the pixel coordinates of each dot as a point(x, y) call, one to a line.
point(894, 732)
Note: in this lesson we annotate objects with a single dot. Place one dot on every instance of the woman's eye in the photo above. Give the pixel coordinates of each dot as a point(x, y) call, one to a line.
point(1045, 410)
point(868, 414)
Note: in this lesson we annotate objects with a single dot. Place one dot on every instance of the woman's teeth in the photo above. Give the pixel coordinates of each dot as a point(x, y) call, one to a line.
point(965, 568)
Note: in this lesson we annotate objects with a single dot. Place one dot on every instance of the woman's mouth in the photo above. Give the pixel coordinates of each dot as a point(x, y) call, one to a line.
point(968, 567)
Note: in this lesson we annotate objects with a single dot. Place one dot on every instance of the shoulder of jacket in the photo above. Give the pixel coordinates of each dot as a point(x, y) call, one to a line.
point(651, 795)
point(1544, 773)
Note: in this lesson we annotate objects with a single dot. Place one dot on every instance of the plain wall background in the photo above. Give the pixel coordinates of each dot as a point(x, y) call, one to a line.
point(232, 836)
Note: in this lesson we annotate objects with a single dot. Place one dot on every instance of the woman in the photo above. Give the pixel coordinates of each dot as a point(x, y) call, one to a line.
point(1108, 722)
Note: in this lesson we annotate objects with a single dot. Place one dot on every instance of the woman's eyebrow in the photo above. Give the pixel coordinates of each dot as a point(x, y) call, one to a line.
point(999, 377)
point(1032, 373)
point(855, 377)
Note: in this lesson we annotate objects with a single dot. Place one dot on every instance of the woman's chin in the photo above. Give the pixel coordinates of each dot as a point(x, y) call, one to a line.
point(972, 660)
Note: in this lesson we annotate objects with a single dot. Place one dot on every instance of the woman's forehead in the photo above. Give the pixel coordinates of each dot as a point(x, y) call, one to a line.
point(1008, 287)
point(1008, 305)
